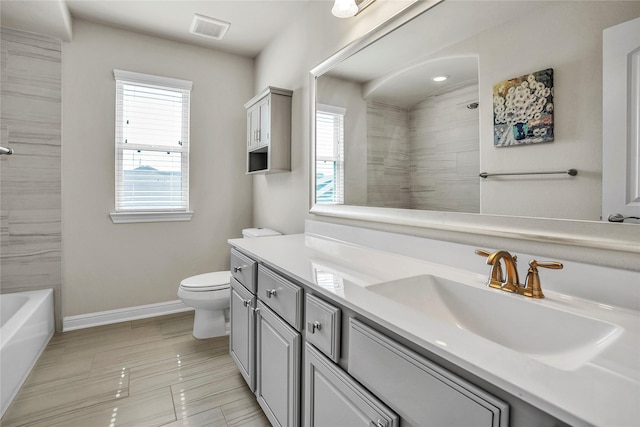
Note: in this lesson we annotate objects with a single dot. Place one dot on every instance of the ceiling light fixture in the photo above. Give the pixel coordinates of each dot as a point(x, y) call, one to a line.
point(349, 8)
point(439, 78)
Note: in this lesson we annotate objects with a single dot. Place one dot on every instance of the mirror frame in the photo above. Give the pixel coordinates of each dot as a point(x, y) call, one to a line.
point(590, 234)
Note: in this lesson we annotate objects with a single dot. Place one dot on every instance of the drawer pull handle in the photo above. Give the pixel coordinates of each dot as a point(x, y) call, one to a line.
point(238, 268)
point(314, 326)
point(246, 302)
point(271, 293)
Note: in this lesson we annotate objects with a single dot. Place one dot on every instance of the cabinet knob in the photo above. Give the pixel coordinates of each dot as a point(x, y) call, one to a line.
point(246, 302)
point(379, 423)
point(313, 326)
point(271, 293)
point(238, 268)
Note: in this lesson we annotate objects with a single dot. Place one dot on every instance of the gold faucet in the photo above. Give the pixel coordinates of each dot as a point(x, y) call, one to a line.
point(511, 283)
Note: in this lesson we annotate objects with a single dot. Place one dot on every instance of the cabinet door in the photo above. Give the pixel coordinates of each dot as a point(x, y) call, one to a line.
point(241, 337)
point(333, 398)
point(265, 122)
point(253, 127)
point(277, 368)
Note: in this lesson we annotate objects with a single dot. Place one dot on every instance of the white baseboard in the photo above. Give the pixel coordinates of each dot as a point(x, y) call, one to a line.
point(81, 321)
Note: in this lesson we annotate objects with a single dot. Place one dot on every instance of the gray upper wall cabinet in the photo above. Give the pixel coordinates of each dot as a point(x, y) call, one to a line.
point(269, 131)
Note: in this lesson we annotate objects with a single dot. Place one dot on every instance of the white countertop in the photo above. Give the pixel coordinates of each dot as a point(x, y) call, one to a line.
point(605, 391)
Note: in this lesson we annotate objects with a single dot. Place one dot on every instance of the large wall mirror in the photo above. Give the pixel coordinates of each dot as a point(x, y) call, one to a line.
point(388, 134)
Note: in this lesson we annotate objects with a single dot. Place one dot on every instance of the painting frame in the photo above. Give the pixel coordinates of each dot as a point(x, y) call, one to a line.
point(523, 110)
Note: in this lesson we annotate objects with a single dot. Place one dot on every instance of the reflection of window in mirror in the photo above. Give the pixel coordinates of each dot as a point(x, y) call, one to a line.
point(330, 154)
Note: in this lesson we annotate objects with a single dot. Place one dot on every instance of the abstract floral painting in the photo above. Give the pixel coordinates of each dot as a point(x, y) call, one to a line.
point(523, 109)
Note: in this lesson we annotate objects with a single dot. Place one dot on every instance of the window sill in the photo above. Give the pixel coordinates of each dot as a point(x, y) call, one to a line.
point(130, 217)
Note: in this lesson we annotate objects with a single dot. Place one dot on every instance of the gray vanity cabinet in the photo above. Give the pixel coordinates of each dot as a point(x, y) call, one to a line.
point(278, 379)
point(363, 378)
point(241, 337)
point(241, 312)
point(333, 398)
point(422, 392)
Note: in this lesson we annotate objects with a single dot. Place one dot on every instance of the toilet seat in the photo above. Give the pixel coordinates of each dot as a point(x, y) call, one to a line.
point(215, 281)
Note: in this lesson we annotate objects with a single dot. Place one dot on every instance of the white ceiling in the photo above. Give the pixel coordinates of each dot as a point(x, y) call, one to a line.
point(253, 22)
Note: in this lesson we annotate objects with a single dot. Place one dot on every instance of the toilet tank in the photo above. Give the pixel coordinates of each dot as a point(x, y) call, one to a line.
point(249, 233)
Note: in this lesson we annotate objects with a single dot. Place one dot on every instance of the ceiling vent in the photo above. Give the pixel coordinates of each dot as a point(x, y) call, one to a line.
point(208, 27)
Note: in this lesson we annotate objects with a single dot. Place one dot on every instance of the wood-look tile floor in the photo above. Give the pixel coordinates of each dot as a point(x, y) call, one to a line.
point(149, 372)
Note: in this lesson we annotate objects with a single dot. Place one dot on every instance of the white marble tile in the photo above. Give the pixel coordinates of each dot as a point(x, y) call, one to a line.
point(30, 179)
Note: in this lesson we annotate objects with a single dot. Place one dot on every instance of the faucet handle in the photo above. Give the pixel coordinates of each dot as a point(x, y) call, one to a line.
point(555, 265)
point(482, 252)
point(532, 284)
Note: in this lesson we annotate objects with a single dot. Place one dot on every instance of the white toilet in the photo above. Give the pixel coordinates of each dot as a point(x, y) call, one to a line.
point(209, 295)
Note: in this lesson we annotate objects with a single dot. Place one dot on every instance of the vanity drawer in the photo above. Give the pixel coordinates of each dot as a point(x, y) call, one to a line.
point(322, 326)
point(281, 295)
point(243, 269)
point(333, 398)
point(418, 389)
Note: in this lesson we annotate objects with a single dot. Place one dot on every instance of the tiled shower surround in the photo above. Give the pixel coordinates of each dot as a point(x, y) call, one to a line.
point(427, 156)
point(30, 179)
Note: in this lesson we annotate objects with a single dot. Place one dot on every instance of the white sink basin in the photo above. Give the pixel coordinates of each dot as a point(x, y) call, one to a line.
point(558, 338)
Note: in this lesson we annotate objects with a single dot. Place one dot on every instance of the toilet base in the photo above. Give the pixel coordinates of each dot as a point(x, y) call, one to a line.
point(209, 324)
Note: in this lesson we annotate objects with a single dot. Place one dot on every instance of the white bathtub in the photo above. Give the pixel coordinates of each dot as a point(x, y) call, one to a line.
point(26, 326)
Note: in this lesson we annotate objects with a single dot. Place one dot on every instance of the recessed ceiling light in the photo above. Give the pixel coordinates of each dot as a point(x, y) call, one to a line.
point(439, 78)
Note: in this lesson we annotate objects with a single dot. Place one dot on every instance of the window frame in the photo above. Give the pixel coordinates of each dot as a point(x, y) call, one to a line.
point(338, 155)
point(137, 214)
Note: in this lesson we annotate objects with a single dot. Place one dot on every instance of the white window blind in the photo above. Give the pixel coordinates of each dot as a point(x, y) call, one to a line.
point(152, 143)
point(330, 154)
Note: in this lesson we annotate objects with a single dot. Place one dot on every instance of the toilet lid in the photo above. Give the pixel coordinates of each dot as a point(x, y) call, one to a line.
point(214, 281)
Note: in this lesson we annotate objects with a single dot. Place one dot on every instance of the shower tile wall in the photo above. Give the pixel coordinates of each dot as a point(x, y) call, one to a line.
point(388, 155)
point(445, 157)
point(30, 179)
point(425, 157)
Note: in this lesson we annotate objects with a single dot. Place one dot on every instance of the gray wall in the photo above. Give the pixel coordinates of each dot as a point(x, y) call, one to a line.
point(282, 202)
point(30, 179)
point(110, 266)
